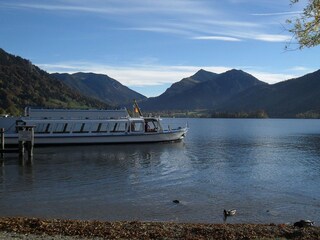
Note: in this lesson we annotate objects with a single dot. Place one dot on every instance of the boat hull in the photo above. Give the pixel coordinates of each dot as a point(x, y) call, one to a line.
point(73, 139)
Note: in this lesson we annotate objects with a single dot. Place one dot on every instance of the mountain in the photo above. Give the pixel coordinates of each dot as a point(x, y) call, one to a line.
point(99, 86)
point(204, 90)
point(283, 99)
point(188, 83)
point(24, 84)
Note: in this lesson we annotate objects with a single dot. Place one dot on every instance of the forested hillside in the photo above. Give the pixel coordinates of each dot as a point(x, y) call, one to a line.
point(99, 86)
point(297, 97)
point(24, 84)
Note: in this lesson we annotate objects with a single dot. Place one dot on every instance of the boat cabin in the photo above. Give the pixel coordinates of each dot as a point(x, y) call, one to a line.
point(80, 126)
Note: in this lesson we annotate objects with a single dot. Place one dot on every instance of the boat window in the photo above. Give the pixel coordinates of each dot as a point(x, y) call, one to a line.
point(118, 126)
point(67, 128)
point(95, 127)
point(136, 126)
point(103, 127)
point(58, 127)
point(48, 128)
point(76, 127)
point(43, 128)
point(40, 128)
point(81, 127)
point(151, 126)
point(113, 126)
point(86, 127)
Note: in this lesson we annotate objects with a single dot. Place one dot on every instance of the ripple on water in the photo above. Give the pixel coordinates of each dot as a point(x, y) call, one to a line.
point(266, 169)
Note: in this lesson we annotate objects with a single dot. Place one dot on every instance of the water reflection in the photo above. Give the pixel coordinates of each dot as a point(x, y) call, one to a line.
point(268, 170)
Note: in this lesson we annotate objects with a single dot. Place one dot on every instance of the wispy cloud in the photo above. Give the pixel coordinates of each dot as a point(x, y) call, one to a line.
point(299, 69)
point(133, 75)
point(218, 38)
point(228, 23)
point(277, 13)
point(54, 7)
point(272, 78)
point(198, 20)
point(159, 30)
point(245, 36)
point(155, 75)
point(117, 7)
point(273, 37)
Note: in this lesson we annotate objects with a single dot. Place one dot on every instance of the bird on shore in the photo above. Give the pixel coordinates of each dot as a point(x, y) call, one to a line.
point(303, 223)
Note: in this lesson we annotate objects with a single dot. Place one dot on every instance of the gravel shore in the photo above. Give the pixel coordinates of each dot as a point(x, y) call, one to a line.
point(35, 228)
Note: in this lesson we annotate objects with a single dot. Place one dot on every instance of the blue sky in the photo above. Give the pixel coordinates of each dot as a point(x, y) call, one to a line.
point(149, 44)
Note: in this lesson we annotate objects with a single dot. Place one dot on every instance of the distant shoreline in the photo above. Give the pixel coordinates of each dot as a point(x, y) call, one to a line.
point(233, 115)
point(26, 228)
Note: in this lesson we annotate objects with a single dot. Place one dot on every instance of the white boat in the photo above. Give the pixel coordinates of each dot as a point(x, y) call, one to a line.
point(65, 126)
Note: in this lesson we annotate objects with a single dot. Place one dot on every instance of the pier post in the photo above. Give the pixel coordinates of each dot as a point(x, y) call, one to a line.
point(21, 151)
point(2, 138)
point(30, 144)
point(2, 142)
point(26, 142)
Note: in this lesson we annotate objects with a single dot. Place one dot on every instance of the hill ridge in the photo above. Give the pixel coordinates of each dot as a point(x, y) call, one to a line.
point(201, 93)
point(99, 86)
point(24, 84)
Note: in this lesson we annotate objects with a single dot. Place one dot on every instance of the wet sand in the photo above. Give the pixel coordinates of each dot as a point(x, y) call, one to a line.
point(35, 228)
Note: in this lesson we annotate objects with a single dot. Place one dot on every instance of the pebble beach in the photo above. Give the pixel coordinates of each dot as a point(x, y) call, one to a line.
point(35, 228)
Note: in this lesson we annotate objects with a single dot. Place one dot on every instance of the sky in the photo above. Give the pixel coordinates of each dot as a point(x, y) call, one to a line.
point(149, 44)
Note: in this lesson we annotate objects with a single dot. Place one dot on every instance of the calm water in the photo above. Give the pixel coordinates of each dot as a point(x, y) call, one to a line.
point(269, 170)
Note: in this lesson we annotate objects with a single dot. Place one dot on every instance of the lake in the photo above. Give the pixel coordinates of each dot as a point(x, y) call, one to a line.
point(267, 169)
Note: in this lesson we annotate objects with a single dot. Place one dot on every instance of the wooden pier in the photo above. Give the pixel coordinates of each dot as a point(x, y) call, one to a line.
point(25, 143)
